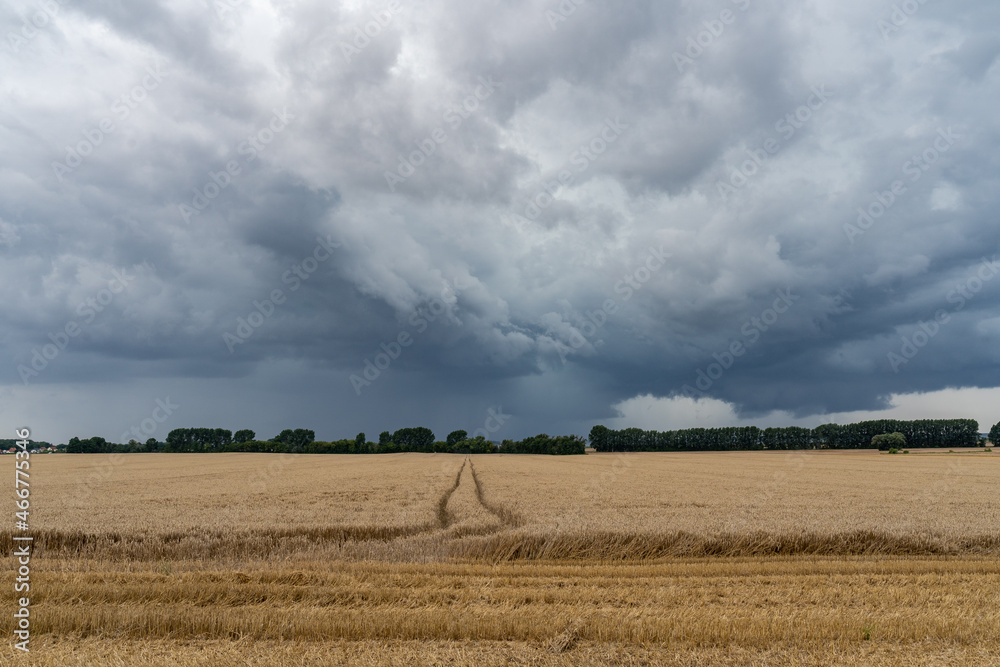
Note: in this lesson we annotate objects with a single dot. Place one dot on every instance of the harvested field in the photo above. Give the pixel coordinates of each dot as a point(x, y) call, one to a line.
point(687, 559)
point(428, 506)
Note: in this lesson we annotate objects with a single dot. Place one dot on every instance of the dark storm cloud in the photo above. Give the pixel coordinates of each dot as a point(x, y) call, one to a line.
point(425, 211)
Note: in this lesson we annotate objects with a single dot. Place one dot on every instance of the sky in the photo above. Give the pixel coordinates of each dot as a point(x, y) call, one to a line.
point(509, 217)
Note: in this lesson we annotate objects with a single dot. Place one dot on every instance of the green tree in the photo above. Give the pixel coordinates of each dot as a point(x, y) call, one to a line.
point(178, 440)
point(477, 445)
point(95, 445)
point(294, 441)
point(599, 438)
point(244, 435)
point(456, 436)
point(995, 434)
point(886, 441)
point(827, 436)
point(417, 439)
point(360, 440)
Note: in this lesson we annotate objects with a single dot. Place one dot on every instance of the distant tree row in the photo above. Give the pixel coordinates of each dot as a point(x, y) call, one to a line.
point(199, 440)
point(422, 440)
point(919, 433)
point(303, 441)
point(98, 445)
point(544, 444)
point(178, 440)
point(7, 443)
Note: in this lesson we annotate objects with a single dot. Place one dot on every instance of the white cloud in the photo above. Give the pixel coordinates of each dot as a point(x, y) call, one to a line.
point(946, 197)
point(680, 412)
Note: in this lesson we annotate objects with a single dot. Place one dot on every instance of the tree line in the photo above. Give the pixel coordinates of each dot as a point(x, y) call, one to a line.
point(7, 443)
point(303, 441)
point(918, 433)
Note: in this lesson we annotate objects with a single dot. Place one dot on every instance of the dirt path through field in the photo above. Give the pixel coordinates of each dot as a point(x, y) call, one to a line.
point(465, 510)
point(443, 517)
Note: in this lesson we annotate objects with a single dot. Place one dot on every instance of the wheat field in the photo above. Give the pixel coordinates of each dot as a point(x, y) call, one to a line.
point(660, 558)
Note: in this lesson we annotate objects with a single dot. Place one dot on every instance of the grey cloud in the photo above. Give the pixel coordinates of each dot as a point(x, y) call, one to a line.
point(557, 313)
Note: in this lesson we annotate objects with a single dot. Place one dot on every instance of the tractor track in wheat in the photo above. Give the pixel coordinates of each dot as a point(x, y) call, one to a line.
point(463, 509)
point(443, 517)
point(509, 518)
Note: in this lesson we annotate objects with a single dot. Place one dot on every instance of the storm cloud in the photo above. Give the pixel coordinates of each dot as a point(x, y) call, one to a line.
point(357, 216)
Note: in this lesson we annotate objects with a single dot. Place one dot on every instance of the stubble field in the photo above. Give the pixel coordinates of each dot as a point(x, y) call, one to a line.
point(660, 558)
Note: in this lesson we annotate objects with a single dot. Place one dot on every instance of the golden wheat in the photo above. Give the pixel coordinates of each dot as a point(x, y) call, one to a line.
point(407, 653)
point(792, 604)
point(688, 559)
